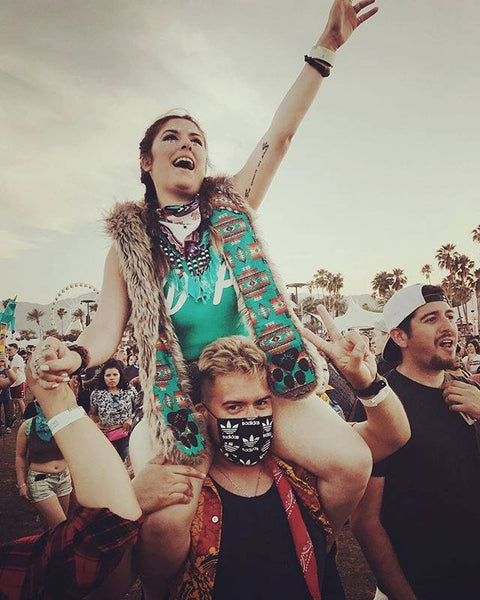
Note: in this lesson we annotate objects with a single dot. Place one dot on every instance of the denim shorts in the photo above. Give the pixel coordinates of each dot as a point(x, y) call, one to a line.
point(43, 485)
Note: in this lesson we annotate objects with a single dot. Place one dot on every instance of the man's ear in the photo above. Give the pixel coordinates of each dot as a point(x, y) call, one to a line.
point(400, 337)
point(200, 408)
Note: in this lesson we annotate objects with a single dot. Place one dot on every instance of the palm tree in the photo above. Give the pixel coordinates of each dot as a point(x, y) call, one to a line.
point(399, 279)
point(462, 270)
point(36, 315)
point(330, 289)
point(320, 279)
point(26, 334)
point(476, 273)
point(335, 286)
point(382, 285)
point(61, 312)
point(309, 305)
point(72, 335)
point(476, 234)
point(52, 333)
point(448, 285)
point(80, 315)
point(445, 256)
point(427, 271)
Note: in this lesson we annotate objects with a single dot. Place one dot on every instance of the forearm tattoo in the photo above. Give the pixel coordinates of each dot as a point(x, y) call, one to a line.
point(265, 147)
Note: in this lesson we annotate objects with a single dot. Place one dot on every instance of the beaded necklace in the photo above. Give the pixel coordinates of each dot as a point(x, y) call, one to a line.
point(196, 256)
point(177, 224)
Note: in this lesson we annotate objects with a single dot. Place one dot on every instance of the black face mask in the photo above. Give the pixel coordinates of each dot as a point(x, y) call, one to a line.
point(244, 441)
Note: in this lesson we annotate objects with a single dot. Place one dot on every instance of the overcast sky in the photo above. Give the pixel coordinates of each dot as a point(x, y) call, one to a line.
point(382, 172)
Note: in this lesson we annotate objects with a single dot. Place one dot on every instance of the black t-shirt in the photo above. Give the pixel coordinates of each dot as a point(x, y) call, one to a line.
point(257, 559)
point(431, 499)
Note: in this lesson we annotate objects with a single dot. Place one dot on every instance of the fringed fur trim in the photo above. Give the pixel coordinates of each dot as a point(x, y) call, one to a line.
point(126, 226)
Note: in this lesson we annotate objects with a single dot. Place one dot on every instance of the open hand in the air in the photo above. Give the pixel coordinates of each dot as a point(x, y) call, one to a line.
point(345, 16)
point(349, 353)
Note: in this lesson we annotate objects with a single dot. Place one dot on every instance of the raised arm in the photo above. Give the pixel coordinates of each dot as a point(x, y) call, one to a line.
point(386, 428)
point(255, 177)
point(101, 337)
point(88, 462)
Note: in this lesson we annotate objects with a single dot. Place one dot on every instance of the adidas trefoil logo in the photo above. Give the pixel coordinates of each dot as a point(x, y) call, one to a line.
point(250, 442)
point(229, 447)
point(228, 428)
point(267, 426)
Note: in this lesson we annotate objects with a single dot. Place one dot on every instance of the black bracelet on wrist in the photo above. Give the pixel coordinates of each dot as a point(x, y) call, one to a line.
point(322, 67)
point(84, 356)
point(374, 388)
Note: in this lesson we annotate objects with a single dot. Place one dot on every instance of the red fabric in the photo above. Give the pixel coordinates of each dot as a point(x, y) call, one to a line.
point(301, 537)
point(68, 561)
point(197, 578)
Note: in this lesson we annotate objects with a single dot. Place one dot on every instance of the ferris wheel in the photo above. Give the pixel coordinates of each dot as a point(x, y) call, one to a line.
point(71, 306)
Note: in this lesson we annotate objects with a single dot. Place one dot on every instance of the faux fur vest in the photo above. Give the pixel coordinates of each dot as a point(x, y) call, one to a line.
point(126, 224)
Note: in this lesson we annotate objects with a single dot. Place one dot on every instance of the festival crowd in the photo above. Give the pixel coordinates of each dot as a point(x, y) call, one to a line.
point(221, 453)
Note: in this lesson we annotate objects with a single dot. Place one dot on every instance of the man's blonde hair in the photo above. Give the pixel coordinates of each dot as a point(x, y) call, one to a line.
point(234, 354)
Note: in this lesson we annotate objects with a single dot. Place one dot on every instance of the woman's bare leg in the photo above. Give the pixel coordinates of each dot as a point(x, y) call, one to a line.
point(64, 502)
point(309, 433)
point(51, 511)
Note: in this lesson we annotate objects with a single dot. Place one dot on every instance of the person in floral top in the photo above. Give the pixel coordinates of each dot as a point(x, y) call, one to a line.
point(112, 404)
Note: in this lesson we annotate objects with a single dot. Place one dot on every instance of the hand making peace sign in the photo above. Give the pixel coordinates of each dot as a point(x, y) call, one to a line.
point(349, 353)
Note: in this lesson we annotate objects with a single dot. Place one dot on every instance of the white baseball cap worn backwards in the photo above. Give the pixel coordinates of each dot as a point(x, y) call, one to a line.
point(401, 305)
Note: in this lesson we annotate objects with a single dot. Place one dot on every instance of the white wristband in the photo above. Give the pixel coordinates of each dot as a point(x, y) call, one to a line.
point(375, 401)
point(324, 54)
point(65, 418)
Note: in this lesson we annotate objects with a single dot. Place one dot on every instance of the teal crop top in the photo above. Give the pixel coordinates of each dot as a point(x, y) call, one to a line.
point(204, 308)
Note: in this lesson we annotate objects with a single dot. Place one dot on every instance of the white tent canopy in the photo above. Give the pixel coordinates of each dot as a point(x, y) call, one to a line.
point(357, 318)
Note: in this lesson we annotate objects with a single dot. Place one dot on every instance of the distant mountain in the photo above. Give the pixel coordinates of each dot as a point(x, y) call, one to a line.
point(50, 320)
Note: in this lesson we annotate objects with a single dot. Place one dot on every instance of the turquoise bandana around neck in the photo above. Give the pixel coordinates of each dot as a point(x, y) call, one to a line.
point(41, 426)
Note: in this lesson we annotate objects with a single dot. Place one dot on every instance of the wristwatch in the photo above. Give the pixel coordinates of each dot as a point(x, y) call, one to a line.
point(375, 393)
